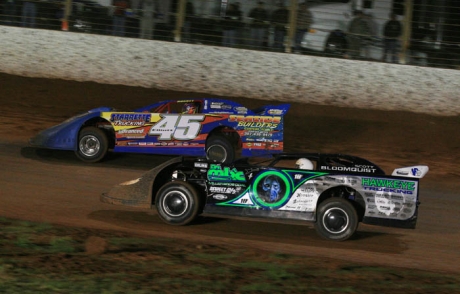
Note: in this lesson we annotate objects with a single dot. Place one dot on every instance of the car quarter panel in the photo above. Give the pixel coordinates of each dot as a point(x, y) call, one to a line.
point(65, 135)
point(139, 192)
point(294, 194)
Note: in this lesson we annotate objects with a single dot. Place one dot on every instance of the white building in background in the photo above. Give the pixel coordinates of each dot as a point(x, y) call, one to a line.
point(331, 20)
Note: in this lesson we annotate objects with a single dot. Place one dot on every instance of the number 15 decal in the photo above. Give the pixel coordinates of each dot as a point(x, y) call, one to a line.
point(179, 127)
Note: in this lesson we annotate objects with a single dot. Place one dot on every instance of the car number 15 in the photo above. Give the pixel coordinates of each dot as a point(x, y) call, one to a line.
point(179, 127)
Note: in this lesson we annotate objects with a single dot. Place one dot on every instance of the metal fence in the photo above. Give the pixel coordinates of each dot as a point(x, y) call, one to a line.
point(420, 32)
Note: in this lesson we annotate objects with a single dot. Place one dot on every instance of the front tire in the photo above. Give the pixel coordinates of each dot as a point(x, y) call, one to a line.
point(177, 203)
point(336, 219)
point(219, 149)
point(92, 145)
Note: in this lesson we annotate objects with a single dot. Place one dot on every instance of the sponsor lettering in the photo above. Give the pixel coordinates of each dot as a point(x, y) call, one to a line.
point(257, 125)
point(337, 180)
point(388, 183)
point(264, 140)
point(220, 105)
point(129, 119)
point(380, 189)
point(415, 171)
point(255, 119)
point(397, 197)
point(275, 111)
point(132, 131)
point(228, 184)
point(128, 123)
point(308, 190)
point(241, 110)
point(217, 173)
point(179, 127)
point(130, 116)
point(225, 190)
point(219, 197)
point(257, 134)
point(403, 173)
point(201, 164)
point(302, 201)
point(348, 169)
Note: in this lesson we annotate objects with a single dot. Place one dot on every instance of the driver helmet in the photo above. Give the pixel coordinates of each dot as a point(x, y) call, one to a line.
point(303, 163)
point(189, 108)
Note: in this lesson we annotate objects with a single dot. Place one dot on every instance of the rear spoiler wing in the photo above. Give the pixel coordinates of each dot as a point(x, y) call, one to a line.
point(417, 171)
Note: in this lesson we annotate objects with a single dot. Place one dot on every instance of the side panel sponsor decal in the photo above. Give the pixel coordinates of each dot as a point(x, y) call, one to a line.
point(178, 127)
point(217, 173)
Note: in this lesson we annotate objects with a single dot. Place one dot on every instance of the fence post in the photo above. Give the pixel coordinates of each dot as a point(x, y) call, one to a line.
point(180, 15)
point(408, 7)
point(65, 20)
point(292, 26)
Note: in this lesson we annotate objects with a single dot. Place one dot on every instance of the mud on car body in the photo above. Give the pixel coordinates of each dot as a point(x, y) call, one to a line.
point(336, 192)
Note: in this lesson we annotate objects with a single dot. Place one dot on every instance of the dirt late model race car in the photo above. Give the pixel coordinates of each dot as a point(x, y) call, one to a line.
point(334, 191)
point(209, 127)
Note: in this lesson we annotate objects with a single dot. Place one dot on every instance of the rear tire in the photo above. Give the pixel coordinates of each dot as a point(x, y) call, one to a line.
point(177, 203)
point(219, 149)
point(92, 145)
point(336, 219)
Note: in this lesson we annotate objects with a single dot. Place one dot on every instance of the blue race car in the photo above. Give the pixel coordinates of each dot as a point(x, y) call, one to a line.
point(215, 128)
point(334, 191)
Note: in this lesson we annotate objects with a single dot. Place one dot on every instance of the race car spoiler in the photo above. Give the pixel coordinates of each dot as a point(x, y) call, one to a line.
point(417, 171)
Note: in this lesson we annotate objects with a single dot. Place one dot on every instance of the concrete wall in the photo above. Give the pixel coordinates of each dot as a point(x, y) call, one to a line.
point(228, 72)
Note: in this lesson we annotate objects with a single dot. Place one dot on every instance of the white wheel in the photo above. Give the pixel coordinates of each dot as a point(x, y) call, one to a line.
point(92, 145)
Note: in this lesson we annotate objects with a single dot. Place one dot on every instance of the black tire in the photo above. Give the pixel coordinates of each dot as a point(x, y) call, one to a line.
point(219, 149)
point(92, 145)
point(336, 219)
point(177, 203)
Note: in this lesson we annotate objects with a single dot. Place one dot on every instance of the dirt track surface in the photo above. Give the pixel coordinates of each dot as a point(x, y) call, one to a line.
point(54, 186)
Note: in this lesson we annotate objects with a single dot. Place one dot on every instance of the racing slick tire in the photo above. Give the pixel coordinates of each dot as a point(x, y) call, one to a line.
point(336, 219)
point(92, 145)
point(177, 203)
point(219, 149)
